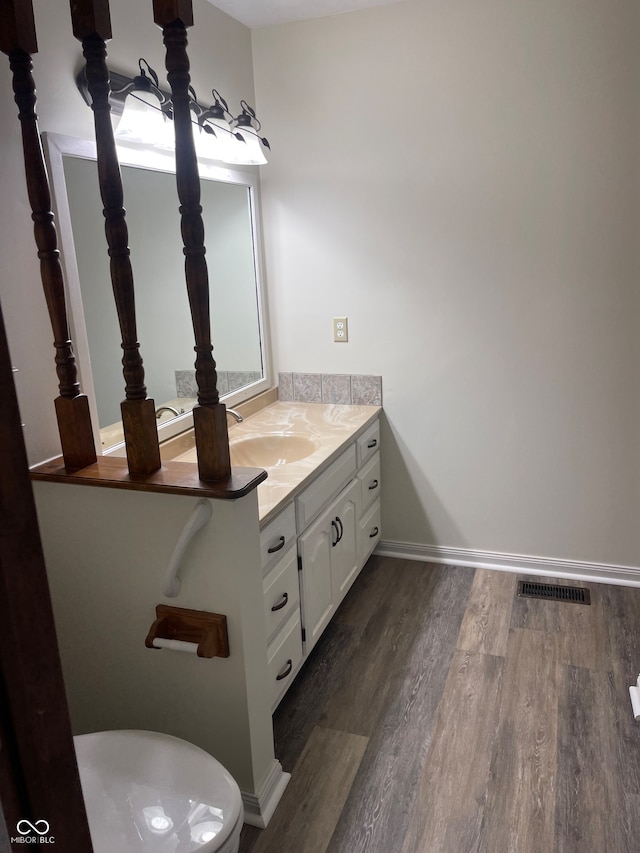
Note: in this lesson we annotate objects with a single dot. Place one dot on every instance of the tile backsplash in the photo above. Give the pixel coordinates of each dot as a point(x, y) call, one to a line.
point(359, 390)
point(228, 381)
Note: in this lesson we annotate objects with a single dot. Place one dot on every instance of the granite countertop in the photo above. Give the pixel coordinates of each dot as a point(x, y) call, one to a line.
point(329, 426)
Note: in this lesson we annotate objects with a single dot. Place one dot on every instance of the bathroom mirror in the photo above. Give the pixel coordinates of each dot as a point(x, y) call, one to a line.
point(229, 204)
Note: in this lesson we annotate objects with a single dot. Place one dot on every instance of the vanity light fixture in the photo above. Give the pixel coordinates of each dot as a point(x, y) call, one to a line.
point(147, 112)
point(216, 139)
point(249, 126)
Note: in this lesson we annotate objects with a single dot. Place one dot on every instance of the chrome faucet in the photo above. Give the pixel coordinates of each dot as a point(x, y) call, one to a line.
point(167, 409)
point(236, 415)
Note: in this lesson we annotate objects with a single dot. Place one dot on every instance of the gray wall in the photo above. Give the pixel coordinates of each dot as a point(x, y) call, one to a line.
point(461, 180)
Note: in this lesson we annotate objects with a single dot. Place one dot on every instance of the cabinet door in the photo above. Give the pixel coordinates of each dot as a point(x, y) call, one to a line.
point(344, 556)
point(316, 595)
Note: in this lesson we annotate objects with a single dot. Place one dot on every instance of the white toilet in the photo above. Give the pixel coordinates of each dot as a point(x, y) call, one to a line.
point(152, 793)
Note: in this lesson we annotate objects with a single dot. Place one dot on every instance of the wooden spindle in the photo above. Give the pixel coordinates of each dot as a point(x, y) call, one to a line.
point(18, 41)
point(209, 417)
point(92, 26)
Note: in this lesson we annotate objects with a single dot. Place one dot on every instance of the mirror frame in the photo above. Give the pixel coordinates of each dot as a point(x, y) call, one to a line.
point(56, 146)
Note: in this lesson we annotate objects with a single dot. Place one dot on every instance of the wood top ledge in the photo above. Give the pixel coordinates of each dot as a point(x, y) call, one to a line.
point(175, 478)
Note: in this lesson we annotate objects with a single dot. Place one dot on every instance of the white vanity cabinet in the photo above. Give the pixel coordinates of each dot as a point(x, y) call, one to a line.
point(368, 444)
point(312, 552)
point(338, 523)
point(281, 592)
point(369, 478)
point(369, 532)
point(328, 552)
point(345, 562)
point(277, 537)
point(284, 658)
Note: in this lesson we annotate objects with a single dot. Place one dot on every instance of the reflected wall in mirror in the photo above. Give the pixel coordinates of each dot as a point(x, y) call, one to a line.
point(165, 332)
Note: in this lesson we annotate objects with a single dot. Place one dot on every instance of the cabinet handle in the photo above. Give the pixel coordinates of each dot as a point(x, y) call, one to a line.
point(286, 671)
point(372, 443)
point(282, 604)
point(277, 547)
point(373, 485)
point(335, 527)
point(374, 533)
point(341, 534)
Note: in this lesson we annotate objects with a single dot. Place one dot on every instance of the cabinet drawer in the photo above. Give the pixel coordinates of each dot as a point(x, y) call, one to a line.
point(368, 443)
point(370, 527)
point(284, 658)
point(369, 478)
point(276, 537)
point(281, 592)
point(325, 487)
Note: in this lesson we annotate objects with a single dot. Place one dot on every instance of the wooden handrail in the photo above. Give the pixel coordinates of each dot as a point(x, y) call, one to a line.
point(92, 26)
point(18, 41)
point(209, 417)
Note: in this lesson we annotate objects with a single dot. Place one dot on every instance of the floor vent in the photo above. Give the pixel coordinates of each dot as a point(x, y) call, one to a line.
point(553, 592)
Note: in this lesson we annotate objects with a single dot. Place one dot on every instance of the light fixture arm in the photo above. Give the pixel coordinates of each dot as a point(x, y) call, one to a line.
point(121, 86)
point(247, 110)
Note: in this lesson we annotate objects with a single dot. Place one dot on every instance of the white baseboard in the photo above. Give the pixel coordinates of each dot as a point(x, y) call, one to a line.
point(598, 572)
point(259, 807)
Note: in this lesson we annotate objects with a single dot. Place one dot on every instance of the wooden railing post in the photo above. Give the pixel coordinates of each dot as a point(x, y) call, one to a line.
point(38, 773)
point(92, 26)
point(18, 41)
point(209, 417)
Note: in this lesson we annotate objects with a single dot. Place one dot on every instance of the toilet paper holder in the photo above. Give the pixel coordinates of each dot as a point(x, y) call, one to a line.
point(197, 631)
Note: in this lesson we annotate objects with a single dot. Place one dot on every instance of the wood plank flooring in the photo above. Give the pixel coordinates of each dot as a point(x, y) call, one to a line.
point(439, 713)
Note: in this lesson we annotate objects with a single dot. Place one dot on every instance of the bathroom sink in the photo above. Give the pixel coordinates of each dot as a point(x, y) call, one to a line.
point(269, 451)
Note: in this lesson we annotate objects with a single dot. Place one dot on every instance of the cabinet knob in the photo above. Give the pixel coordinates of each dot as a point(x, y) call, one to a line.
point(374, 533)
point(372, 443)
point(373, 485)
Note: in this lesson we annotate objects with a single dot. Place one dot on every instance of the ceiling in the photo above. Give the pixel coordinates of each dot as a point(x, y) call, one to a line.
point(266, 13)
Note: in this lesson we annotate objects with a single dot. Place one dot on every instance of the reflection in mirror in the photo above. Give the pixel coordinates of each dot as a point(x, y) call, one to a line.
point(162, 309)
